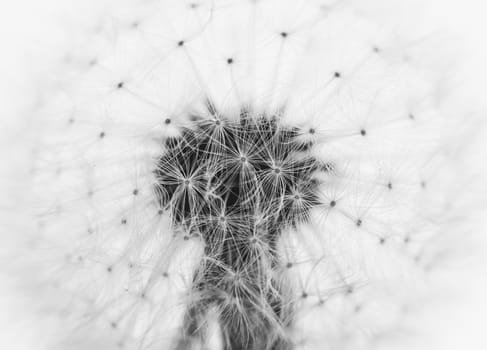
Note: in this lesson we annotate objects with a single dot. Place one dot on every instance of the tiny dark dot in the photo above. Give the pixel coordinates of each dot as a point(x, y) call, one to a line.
point(326, 167)
point(167, 121)
point(337, 75)
point(363, 132)
point(389, 185)
point(71, 120)
point(284, 34)
point(358, 222)
point(193, 5)
point(277, 170)
point(159, 212)
point(349, 290)
point(135, 24)
point(165, 274)
point(120, 85)
point(135, 192)
point(217, 122)
point(382, 240)
point(113, 324)
point(102, 134)
point(186, 238)
point(333, 203)
point(375, 49)
point(411, 116)
point(289, 265)
point(229, 60)
point(93, 62)
point(142, 295)
point(423, 184)
point(304, 295)
point(124, 221)
point(109, 269)
point(406, 240)
point(90, 193)
point(180, 43)
point(312, 131)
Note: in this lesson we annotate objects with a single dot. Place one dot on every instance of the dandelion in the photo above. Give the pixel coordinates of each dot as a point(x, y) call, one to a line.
point(236, 175)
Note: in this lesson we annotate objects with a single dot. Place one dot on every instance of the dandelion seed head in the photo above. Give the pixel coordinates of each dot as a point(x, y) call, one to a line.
point(231, 176)
point(239, 210)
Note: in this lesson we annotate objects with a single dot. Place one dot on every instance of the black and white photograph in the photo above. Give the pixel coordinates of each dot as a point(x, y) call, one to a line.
point(243, 175)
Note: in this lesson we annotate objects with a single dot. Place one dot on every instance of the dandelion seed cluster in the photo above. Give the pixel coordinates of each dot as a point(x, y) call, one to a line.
point(237, 185)
point(236, 174)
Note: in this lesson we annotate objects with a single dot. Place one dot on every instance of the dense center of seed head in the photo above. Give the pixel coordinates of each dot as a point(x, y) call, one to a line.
point(237, 185)
point(248, 170)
